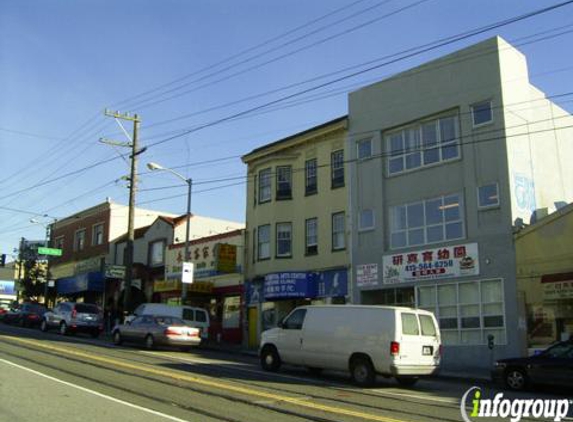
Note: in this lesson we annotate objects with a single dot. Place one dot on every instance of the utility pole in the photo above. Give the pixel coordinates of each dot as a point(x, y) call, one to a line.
point(128, 258)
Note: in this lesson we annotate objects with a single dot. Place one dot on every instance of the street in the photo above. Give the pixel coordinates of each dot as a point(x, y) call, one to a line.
point(52, 377)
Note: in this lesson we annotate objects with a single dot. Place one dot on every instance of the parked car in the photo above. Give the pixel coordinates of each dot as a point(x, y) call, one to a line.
point(71, 317)
point(194, 317)
point(152, 330)
point(366, 340)
point(25, 314)
point(553, 366)
point(4, 308)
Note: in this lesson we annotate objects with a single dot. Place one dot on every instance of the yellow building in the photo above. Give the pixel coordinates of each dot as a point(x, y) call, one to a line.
point(296, 243)
point(545, 277)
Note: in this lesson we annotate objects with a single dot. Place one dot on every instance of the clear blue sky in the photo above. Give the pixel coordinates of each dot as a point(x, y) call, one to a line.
point(63, 62)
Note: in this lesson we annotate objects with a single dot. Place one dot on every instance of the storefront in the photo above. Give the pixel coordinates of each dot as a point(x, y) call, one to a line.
point(270, 298)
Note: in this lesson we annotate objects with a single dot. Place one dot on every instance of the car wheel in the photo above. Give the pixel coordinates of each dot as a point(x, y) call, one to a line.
point(270, 359)
point(63, 328)
point(149, 342)
point(44, 326)
point(117, 340)
point(516, 379)
point(407, 381)
point(362, 371)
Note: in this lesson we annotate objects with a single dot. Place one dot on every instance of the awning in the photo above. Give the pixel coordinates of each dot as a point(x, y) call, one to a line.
point(92, 281)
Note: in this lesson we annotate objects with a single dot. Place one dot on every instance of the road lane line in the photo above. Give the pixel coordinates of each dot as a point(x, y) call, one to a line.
point(95, 393)
point(301, 402)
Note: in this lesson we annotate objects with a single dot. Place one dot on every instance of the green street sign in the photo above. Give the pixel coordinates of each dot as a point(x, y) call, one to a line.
point(50, 251)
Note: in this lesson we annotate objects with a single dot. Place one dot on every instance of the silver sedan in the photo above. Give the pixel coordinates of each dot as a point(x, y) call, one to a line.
point(153, 330)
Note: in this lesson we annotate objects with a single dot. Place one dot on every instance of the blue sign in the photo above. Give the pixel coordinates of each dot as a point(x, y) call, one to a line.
point(333, 283)
point(253, 293)
point(92, 281)
point(290, 285)
point(7, 288)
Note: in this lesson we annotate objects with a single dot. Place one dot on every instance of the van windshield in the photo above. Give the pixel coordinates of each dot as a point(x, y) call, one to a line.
point(427, 324)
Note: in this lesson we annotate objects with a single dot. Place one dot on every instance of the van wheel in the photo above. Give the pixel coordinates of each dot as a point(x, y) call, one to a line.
point(270, 359)
point(63, 329)
point(314, 371)
point(117, 340)
point(44, 326)
point(362, 371)
point(407, 381)
point(149, 342)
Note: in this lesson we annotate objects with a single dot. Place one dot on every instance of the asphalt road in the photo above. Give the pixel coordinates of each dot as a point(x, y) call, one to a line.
point(45, 376)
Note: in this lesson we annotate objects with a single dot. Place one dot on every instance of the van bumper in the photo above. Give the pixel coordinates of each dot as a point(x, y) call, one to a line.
point(414, 370)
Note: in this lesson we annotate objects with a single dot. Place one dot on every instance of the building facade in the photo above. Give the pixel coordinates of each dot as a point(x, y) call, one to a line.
point(545, 278)
point(296, 238)
point(444, 159)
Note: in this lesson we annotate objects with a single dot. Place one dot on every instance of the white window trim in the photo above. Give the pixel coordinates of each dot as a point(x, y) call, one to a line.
point(492, 206)
point(284, 224)
point(420, 123)
point(306, 231)
point(489, 122)
point(425, 226)
point(360, 142)
point(459, 330)
point(367, 228)
point(334, 247)
point(76, 246)
point(259, 258)
point(270, 186)
point(102, 224)
point(312, 177)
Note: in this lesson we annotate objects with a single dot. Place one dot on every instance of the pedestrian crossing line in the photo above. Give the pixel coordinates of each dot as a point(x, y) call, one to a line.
point(296, 401)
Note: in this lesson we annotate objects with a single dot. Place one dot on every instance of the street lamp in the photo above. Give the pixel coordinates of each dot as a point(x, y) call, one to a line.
point(189, 181)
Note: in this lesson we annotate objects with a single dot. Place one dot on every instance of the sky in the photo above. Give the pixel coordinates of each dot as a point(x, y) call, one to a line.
point(210, 80)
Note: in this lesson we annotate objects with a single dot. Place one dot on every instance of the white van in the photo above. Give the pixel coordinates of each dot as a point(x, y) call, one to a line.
point(194, 317)
point(366, 340)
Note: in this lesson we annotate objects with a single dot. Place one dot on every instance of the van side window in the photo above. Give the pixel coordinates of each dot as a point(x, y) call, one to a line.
point(427, 324)
point(139, 310)
point(201, 316)
point(295, 320)
point(410, 325)
point(188, 314)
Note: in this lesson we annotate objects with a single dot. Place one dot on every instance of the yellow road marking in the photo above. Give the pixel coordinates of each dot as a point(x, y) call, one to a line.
point(206, 382)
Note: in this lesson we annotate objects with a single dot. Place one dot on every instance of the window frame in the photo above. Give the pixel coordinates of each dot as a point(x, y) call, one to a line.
point(439, 144)
point(94, 234)
point(310, 188)
point(163, 243)
point(359, 144)
point(277, 240)
point(59, 242)
point(259, 257)
point(362, 228)
point(473, 113)
point(77, 247)
point(264, 176)
point(489, 206)
point(307, 246)
point(281, 195)
point(336, 215)
point(337, 167)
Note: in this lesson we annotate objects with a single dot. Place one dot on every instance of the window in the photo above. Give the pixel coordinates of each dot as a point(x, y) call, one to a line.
point(295, 320)
point(364, 149)
point(264, 186)
point(157, 253)
point(264, 242)
point(428, 327)
point(422, 144)
point(430, 221)
point(97, 234)
point(311, 235)
point(80, 240)
point(284, 182)
point(337, 169)
point(482, 113)
point(366, 220)
point(410, 325)
point(466, 312)
point(284, 240)
point(310, 177)
point(59, 242)
point(488, 196)
point(338, 229)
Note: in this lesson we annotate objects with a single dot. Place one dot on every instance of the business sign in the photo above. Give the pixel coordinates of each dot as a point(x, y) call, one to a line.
point(253, 293)
point(367, 275)
point(7, 288)
point(115, 271)
point(166, 285)
point(557, 286)
point(290, 285)
point(333, 283)
point(187, 273)
point(226, 258)
point(432, 264)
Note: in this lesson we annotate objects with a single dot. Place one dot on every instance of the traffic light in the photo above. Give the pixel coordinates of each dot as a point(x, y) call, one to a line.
point(3, 260)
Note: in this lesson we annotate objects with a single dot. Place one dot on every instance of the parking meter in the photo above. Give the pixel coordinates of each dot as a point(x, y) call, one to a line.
point(490, 339)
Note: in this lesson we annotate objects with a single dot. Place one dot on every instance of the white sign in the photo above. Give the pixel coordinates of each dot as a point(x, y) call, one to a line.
point(558, 290)
point(431, 264)
point(187, 273)
point(367, 275)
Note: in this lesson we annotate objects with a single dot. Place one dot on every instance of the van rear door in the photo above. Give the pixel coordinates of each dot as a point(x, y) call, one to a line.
point(420, 342)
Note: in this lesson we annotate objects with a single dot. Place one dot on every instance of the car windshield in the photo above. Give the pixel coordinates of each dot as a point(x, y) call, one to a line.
point(32, 307)
point(86, 308)
point(561, 350)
